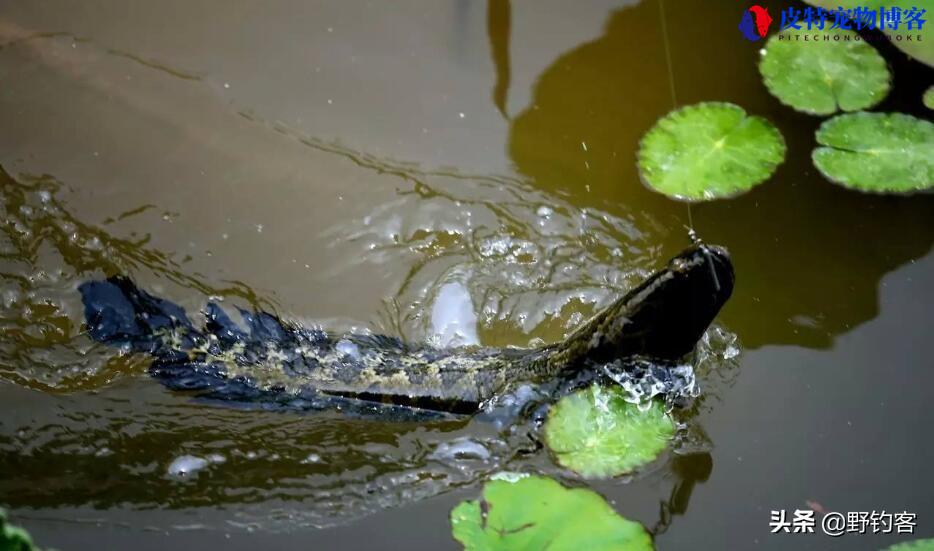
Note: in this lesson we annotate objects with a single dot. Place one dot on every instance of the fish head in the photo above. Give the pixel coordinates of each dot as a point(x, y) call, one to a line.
point(682, 301)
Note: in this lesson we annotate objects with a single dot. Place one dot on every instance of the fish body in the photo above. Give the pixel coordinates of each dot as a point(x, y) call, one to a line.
point(268, 360)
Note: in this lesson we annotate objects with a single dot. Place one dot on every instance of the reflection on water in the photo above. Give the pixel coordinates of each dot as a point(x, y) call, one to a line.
point(318, 229)
point(498, 21)
point(277, 472)
point(688, 471)
point(108, 452)
point(809, 254)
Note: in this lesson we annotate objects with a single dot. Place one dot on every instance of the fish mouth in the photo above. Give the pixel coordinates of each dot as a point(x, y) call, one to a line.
point(719, 252)
point(696, 254)
point(706, 266)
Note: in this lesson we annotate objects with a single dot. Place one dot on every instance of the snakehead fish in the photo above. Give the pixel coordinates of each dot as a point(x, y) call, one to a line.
point(271, 362)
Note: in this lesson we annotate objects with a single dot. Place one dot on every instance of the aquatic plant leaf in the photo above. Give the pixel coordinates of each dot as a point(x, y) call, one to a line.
point(879, 152)
point(921, 48)
point(596, 433)
point(928, 98)
point(709, 150)
point(823, 77)
point(533, 512)
point(914, 545)
point(13, 538)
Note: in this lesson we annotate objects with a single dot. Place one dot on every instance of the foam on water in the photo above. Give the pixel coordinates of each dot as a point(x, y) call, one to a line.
point(453, 320)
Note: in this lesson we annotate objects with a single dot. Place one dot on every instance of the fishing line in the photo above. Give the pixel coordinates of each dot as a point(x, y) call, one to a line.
point(692, 233)
point(671, 74)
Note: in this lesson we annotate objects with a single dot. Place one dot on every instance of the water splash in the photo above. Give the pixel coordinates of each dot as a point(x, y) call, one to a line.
point(45, 252)
point(534, 265)
point(534, 272)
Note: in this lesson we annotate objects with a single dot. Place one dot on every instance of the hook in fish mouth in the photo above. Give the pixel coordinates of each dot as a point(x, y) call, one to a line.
point(716, 257)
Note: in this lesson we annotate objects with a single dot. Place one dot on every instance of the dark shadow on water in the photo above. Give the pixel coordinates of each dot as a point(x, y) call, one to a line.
point(809, 255)
point(274, 471)
point(498, 21)
point(117, 457)
point(688, 470)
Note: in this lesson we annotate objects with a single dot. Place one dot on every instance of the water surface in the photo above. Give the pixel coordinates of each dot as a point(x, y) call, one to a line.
point(344, 163)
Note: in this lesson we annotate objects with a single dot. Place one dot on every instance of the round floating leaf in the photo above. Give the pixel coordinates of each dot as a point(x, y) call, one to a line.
point(921, 44)
point(880, 152)
point(709, 151)
point(596, 433)
point(822, 77)
point(915, 545)
point(532, 513)
point(929, 98)
point(13, 538)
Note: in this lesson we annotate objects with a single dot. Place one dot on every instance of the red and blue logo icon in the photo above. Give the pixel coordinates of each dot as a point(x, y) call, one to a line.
point(755, 23)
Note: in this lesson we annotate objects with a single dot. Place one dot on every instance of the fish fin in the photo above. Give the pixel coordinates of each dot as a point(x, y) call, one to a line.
point(219, 324)
point(118, 313)
point(264, 326)
point(382, 342)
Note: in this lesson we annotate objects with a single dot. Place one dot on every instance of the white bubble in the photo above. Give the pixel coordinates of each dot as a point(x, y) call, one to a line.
point(507, 476)
point(461, 449)
point(453, 319)
point(186, 466)
point(312, 458)
point(348, 348)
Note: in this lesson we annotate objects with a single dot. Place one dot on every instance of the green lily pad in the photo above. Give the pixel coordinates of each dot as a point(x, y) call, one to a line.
point(879, 152)
point(914, 545)
point(533, 512)
point(824, 77)
point(596, 433)
point(13, 538)
point(921, 48)
point(708, 151)
point(928, 98)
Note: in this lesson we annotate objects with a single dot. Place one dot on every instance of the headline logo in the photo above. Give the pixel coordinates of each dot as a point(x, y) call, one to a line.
point(755, 23)
point(756, 20)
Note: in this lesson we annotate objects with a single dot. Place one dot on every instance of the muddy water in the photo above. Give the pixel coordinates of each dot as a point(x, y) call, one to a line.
point(340, 163)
